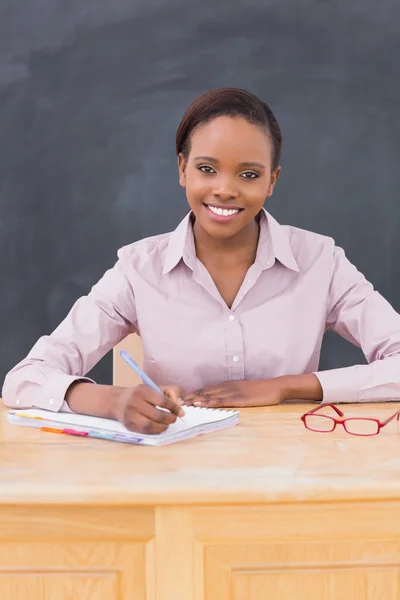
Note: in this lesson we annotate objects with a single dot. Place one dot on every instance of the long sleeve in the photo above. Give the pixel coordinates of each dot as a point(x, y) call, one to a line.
point(361, 315)
point(95, 324)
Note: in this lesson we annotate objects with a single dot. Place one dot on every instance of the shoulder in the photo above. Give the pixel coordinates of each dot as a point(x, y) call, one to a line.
point(145, 254)
point(319, 258)
point(309, 247)
point(301, 237)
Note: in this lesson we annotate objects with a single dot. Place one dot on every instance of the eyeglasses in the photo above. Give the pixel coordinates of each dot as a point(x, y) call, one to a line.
point(354, 425)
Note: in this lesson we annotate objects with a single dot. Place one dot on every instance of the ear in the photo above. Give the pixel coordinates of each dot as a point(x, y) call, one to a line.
point(274, 178)
point(182, 164)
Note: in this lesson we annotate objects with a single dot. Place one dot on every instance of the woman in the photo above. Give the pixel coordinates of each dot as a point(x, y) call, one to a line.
point(231, 307)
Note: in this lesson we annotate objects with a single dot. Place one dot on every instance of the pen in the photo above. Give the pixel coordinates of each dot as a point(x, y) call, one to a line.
point(143, 376)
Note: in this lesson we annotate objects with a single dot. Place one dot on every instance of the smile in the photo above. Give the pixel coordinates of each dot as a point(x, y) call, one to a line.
point(222, 214)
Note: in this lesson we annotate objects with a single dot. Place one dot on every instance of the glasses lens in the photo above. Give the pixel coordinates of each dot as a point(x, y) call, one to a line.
point(361, 426)
point(319, 423)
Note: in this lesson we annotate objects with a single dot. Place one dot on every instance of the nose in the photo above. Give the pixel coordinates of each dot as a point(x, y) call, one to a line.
point(225, 189)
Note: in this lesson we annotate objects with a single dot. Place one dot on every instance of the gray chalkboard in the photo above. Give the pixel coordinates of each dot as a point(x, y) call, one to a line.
point(91, 92)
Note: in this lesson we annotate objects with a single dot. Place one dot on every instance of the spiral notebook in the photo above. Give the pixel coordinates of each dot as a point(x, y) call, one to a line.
point(196, 421)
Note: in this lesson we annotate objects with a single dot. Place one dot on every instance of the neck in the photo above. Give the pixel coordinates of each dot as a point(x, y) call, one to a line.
point(241, 247)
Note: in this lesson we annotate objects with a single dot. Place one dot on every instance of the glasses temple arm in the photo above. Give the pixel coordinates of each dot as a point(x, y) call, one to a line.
point(396, 414)
point(335, 408)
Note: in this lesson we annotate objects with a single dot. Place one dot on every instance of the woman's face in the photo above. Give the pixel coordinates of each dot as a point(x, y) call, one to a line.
point(227, 175)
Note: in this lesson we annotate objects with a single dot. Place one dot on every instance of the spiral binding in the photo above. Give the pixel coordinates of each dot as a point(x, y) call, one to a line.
point(205, 408)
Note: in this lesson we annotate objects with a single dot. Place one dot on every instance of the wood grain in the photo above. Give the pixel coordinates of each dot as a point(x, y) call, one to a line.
point(59, 586)
point(78, 522)
point(62, 568)
point(269, 457)
point(263, 511)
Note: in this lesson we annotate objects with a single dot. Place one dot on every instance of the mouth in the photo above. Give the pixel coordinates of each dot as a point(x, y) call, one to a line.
point(222, 214)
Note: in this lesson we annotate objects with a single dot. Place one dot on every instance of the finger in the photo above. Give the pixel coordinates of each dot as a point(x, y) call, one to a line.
point(175, 394)
point(148, 410)
point(195, 399)
point(172, 405)
point(210, 402)
point(161, 400)
point(200, 395)
point(220, 401)
point(172, 391)
point(189, 399)
point(144, 425)
point(141, 424)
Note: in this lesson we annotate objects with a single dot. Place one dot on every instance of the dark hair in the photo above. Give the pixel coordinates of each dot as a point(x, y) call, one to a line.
point(232, 102)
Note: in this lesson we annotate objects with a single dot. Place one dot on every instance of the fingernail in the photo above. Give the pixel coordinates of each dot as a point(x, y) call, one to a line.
point(181, 413)
point(197, 403)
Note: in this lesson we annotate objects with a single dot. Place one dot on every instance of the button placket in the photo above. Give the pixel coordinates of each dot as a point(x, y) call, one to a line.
point(234, 347)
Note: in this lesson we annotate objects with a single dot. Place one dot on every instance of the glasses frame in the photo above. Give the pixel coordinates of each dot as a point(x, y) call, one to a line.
point(343, 420)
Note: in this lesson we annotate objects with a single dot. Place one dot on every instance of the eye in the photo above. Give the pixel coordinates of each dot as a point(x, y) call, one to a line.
point(249, 175)
point(206, 169)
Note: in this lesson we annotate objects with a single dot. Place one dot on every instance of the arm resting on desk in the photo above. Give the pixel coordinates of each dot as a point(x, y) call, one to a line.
point(362, 316)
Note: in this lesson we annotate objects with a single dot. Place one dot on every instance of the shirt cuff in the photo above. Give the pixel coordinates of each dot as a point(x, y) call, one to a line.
point(339, 385)
point(54, 392)
point(65, 408)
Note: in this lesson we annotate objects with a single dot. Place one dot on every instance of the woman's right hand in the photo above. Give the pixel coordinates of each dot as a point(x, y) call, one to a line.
point(136, 408)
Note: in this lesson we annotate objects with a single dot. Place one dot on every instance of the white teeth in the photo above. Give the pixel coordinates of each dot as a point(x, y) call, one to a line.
point(224, 212)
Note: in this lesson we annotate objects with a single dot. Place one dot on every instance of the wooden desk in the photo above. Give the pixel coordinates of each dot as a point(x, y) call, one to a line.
point(262, 511)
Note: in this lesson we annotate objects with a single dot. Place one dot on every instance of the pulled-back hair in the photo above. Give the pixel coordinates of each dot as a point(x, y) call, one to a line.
point(231, 102)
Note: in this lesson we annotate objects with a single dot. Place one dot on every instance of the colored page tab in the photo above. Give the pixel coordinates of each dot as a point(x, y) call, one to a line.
point(73, 432)
point(25, 416)
point(101, 435)
point(51, 430)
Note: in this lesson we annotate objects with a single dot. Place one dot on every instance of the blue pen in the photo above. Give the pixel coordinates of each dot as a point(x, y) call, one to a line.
point(145, 378)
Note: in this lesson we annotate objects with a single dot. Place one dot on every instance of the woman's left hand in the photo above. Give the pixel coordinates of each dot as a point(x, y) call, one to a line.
point(237, 394)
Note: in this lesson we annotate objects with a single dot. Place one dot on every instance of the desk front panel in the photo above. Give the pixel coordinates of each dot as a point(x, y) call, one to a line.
point(346, 551)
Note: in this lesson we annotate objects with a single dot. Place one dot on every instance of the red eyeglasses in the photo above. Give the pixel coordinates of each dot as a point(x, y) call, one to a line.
point(354, 425)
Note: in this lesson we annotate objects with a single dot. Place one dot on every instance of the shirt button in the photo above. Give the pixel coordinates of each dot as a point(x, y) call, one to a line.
point(231, 317)
point(51, 401)
point(235, 359)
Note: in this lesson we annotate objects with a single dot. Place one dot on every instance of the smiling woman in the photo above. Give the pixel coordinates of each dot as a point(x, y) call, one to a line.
point(223, 187)
point(228, 146)
point(231, 307)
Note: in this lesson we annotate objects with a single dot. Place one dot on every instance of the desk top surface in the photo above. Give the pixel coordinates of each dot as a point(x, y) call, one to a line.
point(268, 457)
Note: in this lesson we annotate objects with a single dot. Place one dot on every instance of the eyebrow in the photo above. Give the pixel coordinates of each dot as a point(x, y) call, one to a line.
point(249, 163)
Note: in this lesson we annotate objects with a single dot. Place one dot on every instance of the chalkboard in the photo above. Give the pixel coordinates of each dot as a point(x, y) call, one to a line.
point(91, 93)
